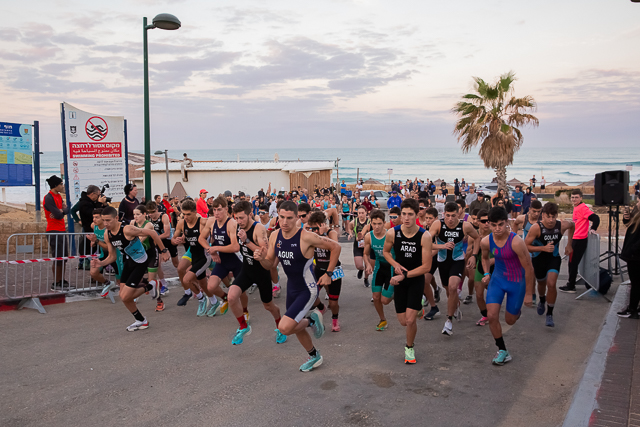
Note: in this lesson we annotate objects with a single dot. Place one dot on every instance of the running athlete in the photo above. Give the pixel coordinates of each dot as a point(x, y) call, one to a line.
point(251, 236)
point(513, 275)
point(381, 281)
point(140, 220)
point(470, 273)
point(524, 222)
point(359, 223)
point(483, 231)
point(543, 241)
point(224, 250)
point(98, 237)
point(450, 232)
point(411, 260)
point(126, 240)
point(275, 277)
point(162, 226)
point(318, 224)
point(394, 218)
point(431, 289)
point(421, 219)
point(295, 247)
point(188, 231)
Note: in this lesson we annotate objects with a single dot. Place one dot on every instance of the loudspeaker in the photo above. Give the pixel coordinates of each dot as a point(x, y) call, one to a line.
point(612, 188)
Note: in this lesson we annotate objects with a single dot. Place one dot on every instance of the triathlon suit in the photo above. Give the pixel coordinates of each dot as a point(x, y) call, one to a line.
point(158, 225)
point(200, 258)
point(134, 257)
point(526, 227)
point(321, 259)
point(507, 278)
point(450, 262)
point(547, 262)
point(382, 269)
point(229, 262)
point(480, 269)
point(301, 286)
point(117, 264)
point(152, 251)
point(408, 253)
point(252, 271)
point(358, 245)
point(345, 212)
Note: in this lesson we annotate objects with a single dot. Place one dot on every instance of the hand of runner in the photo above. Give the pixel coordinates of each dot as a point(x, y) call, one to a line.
point(368, 271)
point(178, 240)
point(212, 250)
point(92, 238)
point(324, 280)
point(395, 280)
point(165, 257)
point(486, 279)
point(549, 247)
point(471, 262)
point(95, 263)
point(528, 300)
point(242, 235)
point(449, 246)
point(350, 236)
point(258, 254)
point(324, 227)
point(568, 250)
point(216, 258)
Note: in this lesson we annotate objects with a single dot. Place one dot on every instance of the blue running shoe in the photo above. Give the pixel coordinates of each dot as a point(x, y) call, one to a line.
point(203, 305)
point(240, 334)
point(312, 362)
point(549, 322)
point(501, 358)
point(164, 291)
point(213, 308)
point(280, 337)
point(540, 308)
point(317, 327)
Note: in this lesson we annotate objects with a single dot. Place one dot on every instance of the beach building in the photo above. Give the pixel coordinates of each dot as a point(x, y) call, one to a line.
point(248, 176)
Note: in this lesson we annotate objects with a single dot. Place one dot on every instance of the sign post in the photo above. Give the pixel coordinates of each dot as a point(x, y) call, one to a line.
point(389, 172)
point(36, 167)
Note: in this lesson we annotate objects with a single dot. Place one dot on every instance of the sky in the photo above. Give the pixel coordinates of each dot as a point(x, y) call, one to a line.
point(326, 74)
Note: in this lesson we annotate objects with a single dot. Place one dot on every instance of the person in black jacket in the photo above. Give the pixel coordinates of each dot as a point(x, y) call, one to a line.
point(128, 204)
point(631, 255)
point(89, 200)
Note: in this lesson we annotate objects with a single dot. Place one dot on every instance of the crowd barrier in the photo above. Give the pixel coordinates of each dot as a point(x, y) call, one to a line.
point(33, 260)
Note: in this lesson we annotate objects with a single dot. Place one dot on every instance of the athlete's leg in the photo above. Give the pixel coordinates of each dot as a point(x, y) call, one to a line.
point(428, 290)
point(234, 300)
point(377, 303)
point(493, 313)
point(175, 261)
point(213, 287)
point(552, 291)
point(411, 325)
point(128, 294)
point(453, 301)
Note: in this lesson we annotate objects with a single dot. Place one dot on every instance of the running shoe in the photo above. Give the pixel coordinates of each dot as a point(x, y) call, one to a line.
point(436, 294)
point(533, 299)
point(137, 325)
point(409, 356)
point(326, 297)
point(366, 282)
point(312, 362)
point(483, 321)
point(183, 301)
point(435, 311)
point(371, 298)
point(468, 300)
point(252, 288)
point(502, 357)
point(335, 325)
point(549, 322)
point(213, 308)
point(108, 285)
point(240, 334)
point(458, 314)
point(360, 273)
point(224, 307)
point(568, 289)
point(280, 337)
point(276, 291)
point(317, 327)
point(155, 292)
point(164, 290)
point(424, 300)
point(624, 313)
point(540, 308)
point(159, 306)
point(203, 306)
point(448, 328)
point(420, 314)
point(246, 316)
point(381, 326)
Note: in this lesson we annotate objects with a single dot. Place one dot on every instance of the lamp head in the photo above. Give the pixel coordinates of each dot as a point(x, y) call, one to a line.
point(166, 21)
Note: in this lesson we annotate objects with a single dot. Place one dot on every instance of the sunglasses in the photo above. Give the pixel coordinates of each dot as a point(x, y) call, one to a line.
point(314, 229)
point(423, 208)
point(484, 221)
point(393, 216)
point(262, 212)
point(302, 216)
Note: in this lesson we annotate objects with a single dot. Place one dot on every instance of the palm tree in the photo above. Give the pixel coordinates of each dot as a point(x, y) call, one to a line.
point(491, 117)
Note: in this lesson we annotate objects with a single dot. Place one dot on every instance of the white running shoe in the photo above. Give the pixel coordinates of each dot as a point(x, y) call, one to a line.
point(252, 288)
point(448, 328)
point(458, 314)
point(137, 325)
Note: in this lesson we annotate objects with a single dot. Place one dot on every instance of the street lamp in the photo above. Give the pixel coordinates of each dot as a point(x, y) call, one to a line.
point(166, 167)
point(164, 21)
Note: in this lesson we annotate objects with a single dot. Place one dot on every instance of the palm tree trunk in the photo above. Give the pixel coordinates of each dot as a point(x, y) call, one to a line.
point(501, 176)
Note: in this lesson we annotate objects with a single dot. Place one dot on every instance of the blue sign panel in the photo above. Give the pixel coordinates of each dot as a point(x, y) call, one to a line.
point(16, 155)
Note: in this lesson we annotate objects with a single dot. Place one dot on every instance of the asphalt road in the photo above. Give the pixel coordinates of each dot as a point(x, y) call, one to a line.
point(76, 365)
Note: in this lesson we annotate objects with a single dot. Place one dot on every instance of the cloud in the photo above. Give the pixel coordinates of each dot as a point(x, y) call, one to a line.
point(237, 19)
point(71, 38)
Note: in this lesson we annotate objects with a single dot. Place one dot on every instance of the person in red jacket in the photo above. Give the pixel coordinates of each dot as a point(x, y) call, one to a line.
point(201, 205)
point(55, 210)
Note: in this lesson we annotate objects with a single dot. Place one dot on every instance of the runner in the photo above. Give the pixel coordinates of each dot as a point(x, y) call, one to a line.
point(483, 231)
point(543, 241)
point(431, 288)
point(140, 221)
point(411, 259)
point(295, 248)
point(450, 232)
point(513, 276)
point(98, 237)
point(394, 218)
point(251, 236)
point(421, 219)
point(318, 224)
point(358, 231)
point(126, 240)
point(525, 222)
point(469, 273)
point(381, 281)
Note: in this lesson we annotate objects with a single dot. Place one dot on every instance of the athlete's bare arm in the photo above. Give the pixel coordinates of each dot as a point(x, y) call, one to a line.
point(110, 258)
point(131, 231)
point(166, 226)
point(569, 226)
point(518, 223)
point(469, 230)
point(178, 238)
point(486, 265)
point(519, 247)
point(267, 256)
point(534, 233)
point(365, 256)
point(205, 233)
point(426, 243)
point(386, 251)
point(234, 246)
point(309, 241)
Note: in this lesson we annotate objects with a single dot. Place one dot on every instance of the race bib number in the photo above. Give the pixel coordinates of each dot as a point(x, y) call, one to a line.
point(361, 243)
point(338, 273)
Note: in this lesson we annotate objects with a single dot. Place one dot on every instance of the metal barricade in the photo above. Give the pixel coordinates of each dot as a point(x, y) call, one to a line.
point(49, 264)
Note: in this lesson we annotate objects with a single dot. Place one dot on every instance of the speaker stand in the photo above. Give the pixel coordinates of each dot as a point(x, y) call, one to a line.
point(613, 249)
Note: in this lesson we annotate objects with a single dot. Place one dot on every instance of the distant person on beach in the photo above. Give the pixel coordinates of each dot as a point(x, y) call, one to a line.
point(516, 198)
point(533, 181)
point(128, 204)
point(343, 188)
point(543, 183)
point(54, 211)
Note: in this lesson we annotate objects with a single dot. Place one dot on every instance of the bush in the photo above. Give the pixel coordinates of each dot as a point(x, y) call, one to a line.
point(567, 192)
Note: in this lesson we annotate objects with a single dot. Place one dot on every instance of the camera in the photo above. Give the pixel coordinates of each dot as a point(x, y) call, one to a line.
point(108, 199)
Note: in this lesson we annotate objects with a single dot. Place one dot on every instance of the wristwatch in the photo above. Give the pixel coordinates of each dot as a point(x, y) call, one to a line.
point(247, 240)
point(164, 251)
point(329, 273)
point(405, 273)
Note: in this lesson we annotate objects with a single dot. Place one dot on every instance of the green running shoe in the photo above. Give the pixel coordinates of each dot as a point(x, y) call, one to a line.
point(501, 358)
point(312, 362)
point(203, 305)
point(280, 337)
point(213, 308)
point(409, 355)
point(317, 327)
point(240, 334)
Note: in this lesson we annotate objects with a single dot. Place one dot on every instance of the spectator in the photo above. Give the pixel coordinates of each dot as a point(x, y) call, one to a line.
point(201, 205)
point(159, 204)
point(517, 198)
point(167, 204)
point(367, 204)
point(480, 203)
point(527, 198)
point(631, 255)
point(89, 200)
point(471, 197)
point(456, 188)
point(55, 210)
point(533, 181)
point(543, 183)
point(128, 204)
point(394, 200)
point(343, 188)
point(628, 215)
point(636, 190)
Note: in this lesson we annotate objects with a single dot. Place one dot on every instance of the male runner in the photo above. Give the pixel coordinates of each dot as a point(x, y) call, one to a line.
point(525, 222)
point(411, 260)
point(98, 237)
point(162, 226)
point(450, 232)
point(359, 223)
point(126, 240)
point(483, 231)
point(513, 275)
point(294, 248)
point(431, 288)
point(251, 236)
point(394, 218)
point(543, 241)
point(140, 220)
point(421, 220)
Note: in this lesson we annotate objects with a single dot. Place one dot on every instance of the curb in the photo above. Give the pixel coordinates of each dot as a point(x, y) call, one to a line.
point(584, 400)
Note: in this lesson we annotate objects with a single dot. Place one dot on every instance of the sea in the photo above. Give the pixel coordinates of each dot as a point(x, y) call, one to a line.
point(570, 165)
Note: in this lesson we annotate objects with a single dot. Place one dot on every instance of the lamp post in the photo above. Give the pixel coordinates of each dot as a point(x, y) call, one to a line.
point(164, 21)
point(166, 167)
